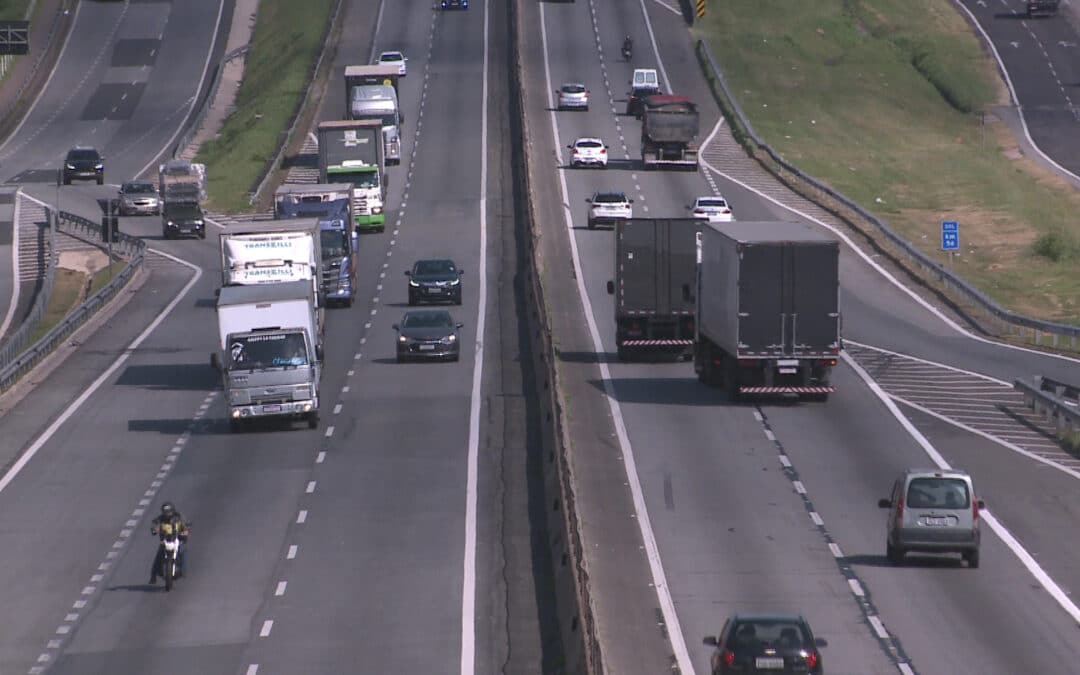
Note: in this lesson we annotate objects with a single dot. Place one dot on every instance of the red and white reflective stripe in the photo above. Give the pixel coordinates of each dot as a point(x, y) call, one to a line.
point(786, 390)
point(656, 343)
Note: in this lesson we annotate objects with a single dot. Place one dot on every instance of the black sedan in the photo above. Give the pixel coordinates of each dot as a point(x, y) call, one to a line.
point(434, 281)
point(766, 643)
point(428, 334)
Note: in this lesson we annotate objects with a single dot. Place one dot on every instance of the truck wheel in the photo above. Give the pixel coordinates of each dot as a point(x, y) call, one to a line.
point(972, 559)
point(235, 425)
point(592, 224)
point(312, 420)
point(817, 398)
point(893, 554)
point(202, 234)
point(622, 353)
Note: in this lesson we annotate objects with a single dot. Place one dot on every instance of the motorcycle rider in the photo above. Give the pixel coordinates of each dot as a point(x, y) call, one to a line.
point(168, 522)
point(627, 47)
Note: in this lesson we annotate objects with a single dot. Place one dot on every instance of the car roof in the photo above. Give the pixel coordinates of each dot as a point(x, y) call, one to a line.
point(768, 617)
point(83, 148)
point(935, 473)
point(427, 312)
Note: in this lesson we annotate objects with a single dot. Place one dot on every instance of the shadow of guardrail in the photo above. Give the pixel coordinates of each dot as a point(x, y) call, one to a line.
point(971, 301)
point(17, 355)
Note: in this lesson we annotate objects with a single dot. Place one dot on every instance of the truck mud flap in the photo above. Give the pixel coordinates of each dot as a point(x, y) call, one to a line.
point(656, 343)
point(788, 390)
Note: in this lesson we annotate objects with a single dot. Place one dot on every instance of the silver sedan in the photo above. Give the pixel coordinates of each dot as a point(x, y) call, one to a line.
point(139, 198)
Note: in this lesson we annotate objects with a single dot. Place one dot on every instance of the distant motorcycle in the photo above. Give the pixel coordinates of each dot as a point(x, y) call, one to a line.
point(627, 52)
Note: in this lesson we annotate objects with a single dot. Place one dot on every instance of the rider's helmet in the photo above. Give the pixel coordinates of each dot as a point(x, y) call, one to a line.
point(167, 509)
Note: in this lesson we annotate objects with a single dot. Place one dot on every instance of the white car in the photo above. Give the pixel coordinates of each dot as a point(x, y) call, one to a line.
point(713, 209)
point(394, 59)
point(573, 96)
point(588, 152)
point(608, 207)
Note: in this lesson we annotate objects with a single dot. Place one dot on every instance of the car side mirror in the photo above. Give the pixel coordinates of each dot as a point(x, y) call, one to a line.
point(588, 200)
point(821, 642)
point(710, 640)
point(318, 352)
point(395, 327)
point(570, 147)
point(611, 287)
point(884, 503)
point(981, 504)
point(408, 273)
point(461, 272)
point(629, 201)
point(460, 325)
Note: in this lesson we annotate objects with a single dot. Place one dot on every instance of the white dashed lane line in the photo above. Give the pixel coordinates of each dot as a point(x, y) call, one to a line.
point(893, 650)
point(97, 579)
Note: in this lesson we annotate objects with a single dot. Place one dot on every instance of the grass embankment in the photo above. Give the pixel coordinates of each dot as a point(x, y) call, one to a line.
point(284, 48)
point(890, 102)
point(13, 10)
point(67, 293)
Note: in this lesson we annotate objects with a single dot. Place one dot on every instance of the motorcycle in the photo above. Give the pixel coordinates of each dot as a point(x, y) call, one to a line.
point(627, 52)
point(170, 545)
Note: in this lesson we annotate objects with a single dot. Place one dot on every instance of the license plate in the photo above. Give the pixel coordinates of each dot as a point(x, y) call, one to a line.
point(939, 521)
point(434, 291)
point(427, 348)
point(769, 662)
point(271, 408)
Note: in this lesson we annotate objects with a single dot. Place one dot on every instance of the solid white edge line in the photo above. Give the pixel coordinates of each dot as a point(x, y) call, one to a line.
point(41, 92)
point(1025, 558)
point(16, 282)
point(869, 261)
point(656, 49)
point(468, 591)
point(988, 436)
point(652, 549)
point(1012, 92)
point(96, 384)
point(195, 98)
point(909, 357)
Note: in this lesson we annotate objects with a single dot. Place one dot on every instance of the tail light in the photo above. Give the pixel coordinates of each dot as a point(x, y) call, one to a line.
point(728, 657)
point(699, 212)
point(725, 211)
point(974, 510)
point(603, 151)
point(827, 362)
point(811, 660)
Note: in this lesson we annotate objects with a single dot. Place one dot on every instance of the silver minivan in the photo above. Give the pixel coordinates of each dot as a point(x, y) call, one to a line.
point(933, 511)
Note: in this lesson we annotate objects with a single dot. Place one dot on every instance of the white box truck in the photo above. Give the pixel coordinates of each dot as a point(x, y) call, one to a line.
point(269, 352)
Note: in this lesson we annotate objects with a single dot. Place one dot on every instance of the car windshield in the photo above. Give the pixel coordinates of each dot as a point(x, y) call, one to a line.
point(938, 493)
point(609, 198)
point(754, 636)
point(433, 267)
point(712, 203)
point(83, 155)
point(391, 56)
point(589, 144)
point(334, 243)
point(573, 89)
point(182, 212)
point(427, 320)
point(138, 188)
point(268, 351)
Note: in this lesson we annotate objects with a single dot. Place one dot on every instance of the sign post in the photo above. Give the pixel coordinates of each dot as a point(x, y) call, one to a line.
point(950, 238)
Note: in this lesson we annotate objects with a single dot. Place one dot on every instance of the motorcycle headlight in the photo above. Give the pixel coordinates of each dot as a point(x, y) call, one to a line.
point(414, 284)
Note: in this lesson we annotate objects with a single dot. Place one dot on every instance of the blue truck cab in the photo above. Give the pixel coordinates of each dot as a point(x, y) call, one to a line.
point(338, 246)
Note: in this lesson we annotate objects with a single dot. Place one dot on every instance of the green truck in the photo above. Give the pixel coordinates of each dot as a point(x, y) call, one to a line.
point(351, 151)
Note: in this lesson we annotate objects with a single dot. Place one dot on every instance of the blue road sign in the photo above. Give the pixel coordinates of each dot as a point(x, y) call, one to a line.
point(950, 235)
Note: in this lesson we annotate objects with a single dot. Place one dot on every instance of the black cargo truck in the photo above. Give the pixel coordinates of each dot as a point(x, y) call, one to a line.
point(768, 309)
point(654, 272)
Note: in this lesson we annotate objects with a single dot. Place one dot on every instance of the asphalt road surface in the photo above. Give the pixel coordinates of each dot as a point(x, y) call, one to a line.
point(390, 539)
point(733, 528)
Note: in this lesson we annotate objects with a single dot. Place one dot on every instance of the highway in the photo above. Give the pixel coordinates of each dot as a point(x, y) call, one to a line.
point(1040, 57)
point(732, 530)
point(394, 538)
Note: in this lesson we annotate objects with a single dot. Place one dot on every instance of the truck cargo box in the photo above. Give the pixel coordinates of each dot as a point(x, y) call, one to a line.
point(769, 289)
point(654, 262)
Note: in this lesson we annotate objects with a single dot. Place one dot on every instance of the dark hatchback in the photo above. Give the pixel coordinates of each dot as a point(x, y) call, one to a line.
point(434, 281)
point(766, 644)
point(85, 164)
point(428, 334)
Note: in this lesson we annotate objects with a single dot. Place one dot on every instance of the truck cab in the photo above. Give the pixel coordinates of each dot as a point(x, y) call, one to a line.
point(644, 84)
point(380, 102)
point(338, 243)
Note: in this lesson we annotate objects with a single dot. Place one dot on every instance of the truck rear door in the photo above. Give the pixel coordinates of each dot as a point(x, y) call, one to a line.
point(813, 314)
point(761, 299)
point(637, 272)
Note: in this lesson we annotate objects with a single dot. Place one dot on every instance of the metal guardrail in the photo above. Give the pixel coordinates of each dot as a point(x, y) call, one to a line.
point(204, 109)
point(328, 44)
point(1064, 415)
point(19, 340)
point(23, 361)
point(1012, 323)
